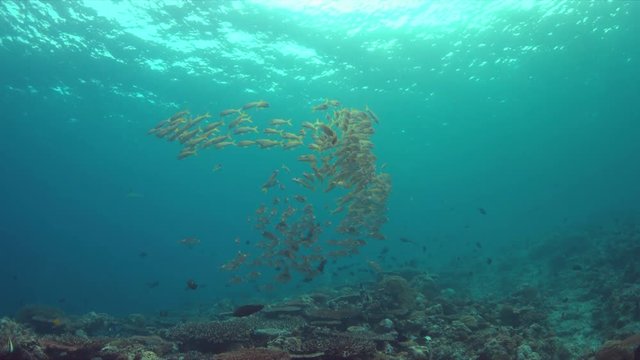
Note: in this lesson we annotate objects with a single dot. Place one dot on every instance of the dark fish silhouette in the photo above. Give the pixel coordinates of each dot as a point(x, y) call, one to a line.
point(246, 310)
point(191, 284)
point(482, 211)
point(322, 265)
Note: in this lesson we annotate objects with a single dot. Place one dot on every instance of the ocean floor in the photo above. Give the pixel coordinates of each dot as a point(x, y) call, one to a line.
point(574, 297)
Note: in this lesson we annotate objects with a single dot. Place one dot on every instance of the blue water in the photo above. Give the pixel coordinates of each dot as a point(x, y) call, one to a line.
point(528, 111)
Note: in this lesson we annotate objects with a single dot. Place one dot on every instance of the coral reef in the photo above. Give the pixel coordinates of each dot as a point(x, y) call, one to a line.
point(403, 314)
point(627, 349)
point(214, 336)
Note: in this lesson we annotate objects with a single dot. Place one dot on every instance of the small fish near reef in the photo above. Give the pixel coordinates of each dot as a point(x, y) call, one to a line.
point(189, 242)
point(247, 310)
point(191, 284)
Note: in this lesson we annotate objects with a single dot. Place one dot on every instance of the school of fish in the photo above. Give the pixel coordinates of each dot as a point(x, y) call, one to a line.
point(341, 167)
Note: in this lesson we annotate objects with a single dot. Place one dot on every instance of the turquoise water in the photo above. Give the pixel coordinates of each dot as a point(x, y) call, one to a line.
point(500, 123)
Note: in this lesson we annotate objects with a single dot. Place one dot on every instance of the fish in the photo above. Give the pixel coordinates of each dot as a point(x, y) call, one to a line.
point(371, 115)
point(245, 143)
point(213, 126)
point(321, 266)
point(191, 284)
point(334, 103)
point(267, 143)
point(178, 115)
point(408, 241)
point(291, 136)
point(245, 129)
point(158, 126)
point(217, 167)
point(224, 144)
point(375, 266)
point(196, 141)
point(291, 144)
point(308, 125)
point(189, 242)
point(277, 122)
point(216, 140)
point(307, 158)
point(327, 131)
point(243, 118)
point(270, 236)
point(255, 104)
point(320, 107)
point(195, 121)
point(482, 211)
point(271, 182)
point(187, 135)
point(186, 153)
point(284, 276)
point(233, 264)
point(153, 284)
point(272, 131)
point(303, 182)
point(229, 112)
point(246, 310)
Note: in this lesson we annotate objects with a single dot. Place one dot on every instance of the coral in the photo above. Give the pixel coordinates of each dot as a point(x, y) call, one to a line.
point(152, 346)
point(621, 311)
point(70, 347)
point(426, 285)
point(334, 345)
point(520, 316)
point(253, 354)
point(526, 353)
point(18, 342)
point(397, 296)
point(214, 336)
point(627, 349)
point(42, 319)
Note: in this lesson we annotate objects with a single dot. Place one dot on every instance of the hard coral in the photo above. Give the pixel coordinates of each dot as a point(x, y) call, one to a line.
point(136, 345)
point(70, 347)
point(18, 342)
point(334, 345)
point(214, 336)
point(399, 297)
point(41, 318)
point(627, 349)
